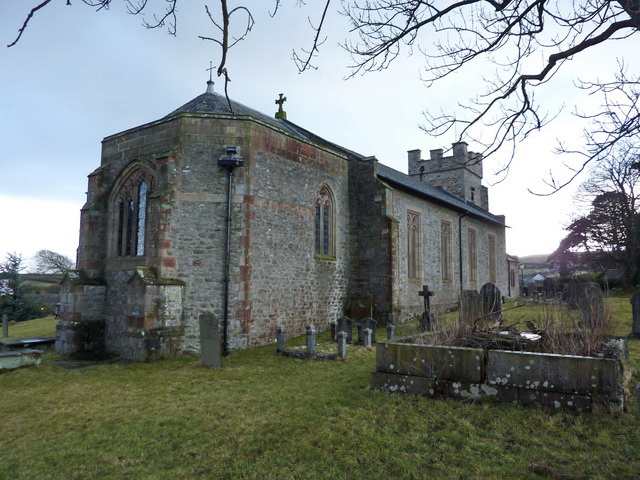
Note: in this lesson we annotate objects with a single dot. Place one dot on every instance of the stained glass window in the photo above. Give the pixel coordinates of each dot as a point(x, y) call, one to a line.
point(130, 217)
point(324, 223)
point(445, 251)
point(413, 244)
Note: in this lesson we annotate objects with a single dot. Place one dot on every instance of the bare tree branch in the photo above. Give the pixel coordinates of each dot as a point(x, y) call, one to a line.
point(527, 41)
point(26, 21)
point(304, 65)
point(224, 42)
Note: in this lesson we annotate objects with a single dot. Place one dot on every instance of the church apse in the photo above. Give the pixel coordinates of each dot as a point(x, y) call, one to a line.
point(312, 227)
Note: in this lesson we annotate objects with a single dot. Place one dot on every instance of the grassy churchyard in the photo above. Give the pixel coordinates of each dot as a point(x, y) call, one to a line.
point(264, 416)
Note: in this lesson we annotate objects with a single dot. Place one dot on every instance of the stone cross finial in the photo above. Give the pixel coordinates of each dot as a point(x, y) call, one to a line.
point(281, 114)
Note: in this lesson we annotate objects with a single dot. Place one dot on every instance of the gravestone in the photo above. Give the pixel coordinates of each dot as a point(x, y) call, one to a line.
point(470, 307)
point(391, 331)
point(342, 344)
point(345, 324)
point(426, 322)
point(210, 343)
point(550, 288)
point(334, 331)
point(491, 302)
point(635, 311)
point(364, 324)
point(367, 333)
point(590, 304)
point(311, 339)
point(572, 292)
point(5, 325)
point(281, 338)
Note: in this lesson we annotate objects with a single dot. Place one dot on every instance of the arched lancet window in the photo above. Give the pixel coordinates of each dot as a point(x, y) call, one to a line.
point(325, 244)
point(129, 215)
point(413, 245)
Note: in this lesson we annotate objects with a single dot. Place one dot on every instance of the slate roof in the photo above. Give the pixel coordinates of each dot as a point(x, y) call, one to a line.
point(405, 182)
point(211, 103)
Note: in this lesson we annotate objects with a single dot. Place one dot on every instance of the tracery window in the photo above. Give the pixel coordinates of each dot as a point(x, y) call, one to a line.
point(129, 215)
point(473, 255)
point(445, 251)
point(492, 259)
point(325, 242)
point(413, 244)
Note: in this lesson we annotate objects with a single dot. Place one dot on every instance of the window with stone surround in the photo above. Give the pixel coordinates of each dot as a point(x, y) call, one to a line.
point(472, 255)
point(492, 258)
point(324, 223)
point(128, 213)
point(414, 245)
point(446, 253)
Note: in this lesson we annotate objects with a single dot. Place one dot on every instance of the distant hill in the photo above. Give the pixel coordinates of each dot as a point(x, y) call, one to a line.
point(540, 258)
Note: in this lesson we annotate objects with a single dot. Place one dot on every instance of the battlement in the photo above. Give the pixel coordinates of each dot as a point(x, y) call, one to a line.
point(459, 174)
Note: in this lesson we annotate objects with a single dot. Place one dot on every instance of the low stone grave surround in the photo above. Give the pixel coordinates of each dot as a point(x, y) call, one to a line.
point(525, 378)
point(367, 336)
point(19, 358)
point(39, 343)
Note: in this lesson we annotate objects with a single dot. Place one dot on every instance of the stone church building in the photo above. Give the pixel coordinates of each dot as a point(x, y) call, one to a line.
point(219, 210)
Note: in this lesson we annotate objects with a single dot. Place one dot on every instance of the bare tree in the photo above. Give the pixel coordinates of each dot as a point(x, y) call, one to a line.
point(609, 228)
point(166, 16)
point(528, 41)
point(52, 262)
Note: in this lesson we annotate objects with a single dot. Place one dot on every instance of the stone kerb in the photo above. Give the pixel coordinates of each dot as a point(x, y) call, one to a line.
point(447, 363)
point(526, 378)
point(558, 373)
point(19, 358)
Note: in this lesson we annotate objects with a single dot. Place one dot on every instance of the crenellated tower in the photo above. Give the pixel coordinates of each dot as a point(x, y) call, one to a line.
point(459, 174)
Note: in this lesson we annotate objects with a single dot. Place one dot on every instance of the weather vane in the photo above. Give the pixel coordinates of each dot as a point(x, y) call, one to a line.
point(210, 70)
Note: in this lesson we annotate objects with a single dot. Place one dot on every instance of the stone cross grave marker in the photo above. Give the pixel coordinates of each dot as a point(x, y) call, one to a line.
point(491, 302)
point(470, 307)
point(345, 324)
point(210, 342)
point(426, 322)
point(635, 310)
point(364, 324)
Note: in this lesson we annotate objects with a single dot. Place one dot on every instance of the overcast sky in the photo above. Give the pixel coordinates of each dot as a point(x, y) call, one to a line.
point(77, 76)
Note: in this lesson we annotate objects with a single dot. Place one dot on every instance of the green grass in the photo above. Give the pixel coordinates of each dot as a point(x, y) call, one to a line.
point(265, 416)
point(40, 327)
